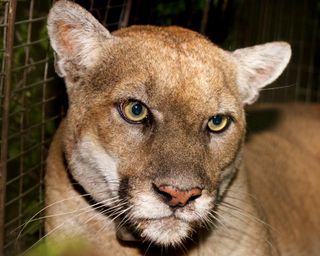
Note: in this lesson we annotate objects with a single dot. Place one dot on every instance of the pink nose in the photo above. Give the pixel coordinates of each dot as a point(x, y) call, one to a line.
point(177, 197)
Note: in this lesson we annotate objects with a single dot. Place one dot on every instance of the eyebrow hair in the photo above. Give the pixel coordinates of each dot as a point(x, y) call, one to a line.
point(138, 91)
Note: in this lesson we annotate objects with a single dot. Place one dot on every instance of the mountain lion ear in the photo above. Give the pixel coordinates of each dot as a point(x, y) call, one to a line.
point(75, 35)
point(259, 66)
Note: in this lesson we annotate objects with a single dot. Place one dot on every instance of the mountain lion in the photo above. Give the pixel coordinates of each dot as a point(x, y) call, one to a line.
point(150, 158)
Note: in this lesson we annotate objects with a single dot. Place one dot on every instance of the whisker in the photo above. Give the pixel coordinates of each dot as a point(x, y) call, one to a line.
point(122, 212)
point(205, 220)
point(118, 214)
point(123, 222)
point(244, 213)
point(149, 246)
point(252, 218)
point(278, 87)
point(110, 211)
point(40, 211)
point(53, 230)
point(215, 218)
point(32, 219)
point(81, 210)
point(41, 239)
point(241, 231)
point(182, 247)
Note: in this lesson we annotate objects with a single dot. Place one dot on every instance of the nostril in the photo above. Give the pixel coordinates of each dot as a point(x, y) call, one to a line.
point(166, 197)
point(194, 197)
point(174, 196)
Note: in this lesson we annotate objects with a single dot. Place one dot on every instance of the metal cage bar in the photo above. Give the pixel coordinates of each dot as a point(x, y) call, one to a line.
point(6, 87)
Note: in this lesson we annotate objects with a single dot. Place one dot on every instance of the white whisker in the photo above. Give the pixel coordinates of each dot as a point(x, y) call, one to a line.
point(43, 209)
point(42, 238)
point(243, 213)
point(279, 87)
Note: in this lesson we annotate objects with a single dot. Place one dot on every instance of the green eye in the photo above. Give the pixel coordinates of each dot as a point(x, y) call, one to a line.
point(218, 123)
point(134, 111)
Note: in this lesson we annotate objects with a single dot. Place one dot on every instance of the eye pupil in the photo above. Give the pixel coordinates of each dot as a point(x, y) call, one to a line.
point(137, 109)
point(216, 120)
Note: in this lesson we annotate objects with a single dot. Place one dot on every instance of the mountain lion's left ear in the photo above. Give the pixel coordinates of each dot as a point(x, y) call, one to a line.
point(259, 66)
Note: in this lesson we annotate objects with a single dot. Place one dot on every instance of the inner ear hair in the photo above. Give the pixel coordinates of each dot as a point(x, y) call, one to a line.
point(75, 35)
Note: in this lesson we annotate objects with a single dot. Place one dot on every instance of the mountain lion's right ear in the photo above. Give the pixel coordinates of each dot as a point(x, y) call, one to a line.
point(76, 36)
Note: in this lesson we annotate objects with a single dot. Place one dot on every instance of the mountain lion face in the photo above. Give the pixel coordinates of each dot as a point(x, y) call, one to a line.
point(155, 126)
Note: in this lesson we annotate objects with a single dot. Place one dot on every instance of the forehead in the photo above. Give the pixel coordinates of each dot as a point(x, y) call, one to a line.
point(158, 68)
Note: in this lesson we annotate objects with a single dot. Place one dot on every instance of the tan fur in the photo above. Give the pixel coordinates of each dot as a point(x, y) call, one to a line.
point(183, 80)
point(282, 162)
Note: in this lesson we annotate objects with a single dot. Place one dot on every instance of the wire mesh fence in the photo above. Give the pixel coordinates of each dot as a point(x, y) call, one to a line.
point(32, 98)
point(30, 111)
point(297, 22)
point(24, 82)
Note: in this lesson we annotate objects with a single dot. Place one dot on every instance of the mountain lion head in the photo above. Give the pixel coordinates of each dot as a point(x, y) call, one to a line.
point(155, 125)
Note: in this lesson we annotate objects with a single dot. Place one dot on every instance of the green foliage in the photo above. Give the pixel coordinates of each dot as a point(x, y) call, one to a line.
point(70, 247)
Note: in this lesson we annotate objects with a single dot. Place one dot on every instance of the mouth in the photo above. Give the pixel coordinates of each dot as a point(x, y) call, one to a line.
point(168, 231)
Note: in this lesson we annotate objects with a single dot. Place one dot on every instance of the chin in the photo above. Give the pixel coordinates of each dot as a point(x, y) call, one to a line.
point(165, 232)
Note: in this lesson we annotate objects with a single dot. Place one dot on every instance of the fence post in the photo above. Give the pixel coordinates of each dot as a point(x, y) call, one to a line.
point(9, 34)
point(125, 15)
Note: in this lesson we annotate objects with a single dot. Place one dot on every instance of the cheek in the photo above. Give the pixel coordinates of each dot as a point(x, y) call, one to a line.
point(226, 146)
point(95, 169)
point(124, 141)
point(118, 136)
